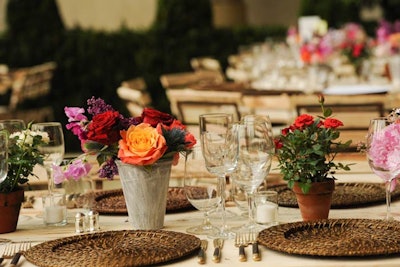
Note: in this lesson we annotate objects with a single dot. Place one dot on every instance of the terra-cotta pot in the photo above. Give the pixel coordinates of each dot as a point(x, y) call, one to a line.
point(315, 205)
point(10, 205)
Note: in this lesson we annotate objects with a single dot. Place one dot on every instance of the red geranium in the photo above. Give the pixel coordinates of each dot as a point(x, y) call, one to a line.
point(332, 123)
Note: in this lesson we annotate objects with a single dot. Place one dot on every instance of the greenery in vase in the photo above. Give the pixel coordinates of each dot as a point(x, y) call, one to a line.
point(23, 155)
point(306, 149)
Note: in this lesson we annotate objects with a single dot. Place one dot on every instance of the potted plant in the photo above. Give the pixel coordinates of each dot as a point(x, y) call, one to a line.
point(306, 151)
point(140, 149)
point(23, 155)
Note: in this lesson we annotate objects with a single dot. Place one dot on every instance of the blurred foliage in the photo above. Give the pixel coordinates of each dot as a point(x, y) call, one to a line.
point(94, 63)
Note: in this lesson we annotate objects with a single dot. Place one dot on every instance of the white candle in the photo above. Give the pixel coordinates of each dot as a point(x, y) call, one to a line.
point(55, 214)
point(266, 212)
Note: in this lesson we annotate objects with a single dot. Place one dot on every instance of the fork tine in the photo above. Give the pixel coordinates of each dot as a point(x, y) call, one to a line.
point(9, 251)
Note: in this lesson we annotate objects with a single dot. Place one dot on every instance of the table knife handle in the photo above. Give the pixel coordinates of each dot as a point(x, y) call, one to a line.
point(201, 257)
point(217, 254)
point(256, 252)
point(15, 259)
point(242, 254)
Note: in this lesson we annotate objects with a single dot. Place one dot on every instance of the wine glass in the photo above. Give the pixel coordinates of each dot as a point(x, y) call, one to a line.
point(3, 155)
point(382, 148)
point(256, 149)
point(12, 125)
point(201, 190)
point(220, 152)
point(54, 150)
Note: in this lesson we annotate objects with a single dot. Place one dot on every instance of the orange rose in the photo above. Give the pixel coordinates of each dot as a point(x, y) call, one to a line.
point(141, 145)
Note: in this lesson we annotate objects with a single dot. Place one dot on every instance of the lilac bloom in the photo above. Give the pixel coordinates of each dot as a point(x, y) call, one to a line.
point(108, 170)
point(97, 106)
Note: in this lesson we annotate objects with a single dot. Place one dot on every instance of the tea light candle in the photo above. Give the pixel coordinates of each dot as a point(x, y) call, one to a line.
point(54, 214)
point(266, 212)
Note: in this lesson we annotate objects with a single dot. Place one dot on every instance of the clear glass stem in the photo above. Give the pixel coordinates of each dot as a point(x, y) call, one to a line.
point(206, 221)
point(50, 180)
point(250, 202)
point(388, 185)
point(221, 189)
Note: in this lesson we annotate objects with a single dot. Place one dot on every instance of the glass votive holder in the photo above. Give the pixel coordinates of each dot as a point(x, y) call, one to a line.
point(266, 208)
point(54, 209)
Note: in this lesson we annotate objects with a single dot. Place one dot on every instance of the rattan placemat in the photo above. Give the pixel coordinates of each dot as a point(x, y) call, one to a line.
point(334, 237)
point(113, 201)
point(114, 248)
point(346, 195)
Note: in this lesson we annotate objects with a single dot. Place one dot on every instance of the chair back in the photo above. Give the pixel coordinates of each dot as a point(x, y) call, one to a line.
point(135, 95)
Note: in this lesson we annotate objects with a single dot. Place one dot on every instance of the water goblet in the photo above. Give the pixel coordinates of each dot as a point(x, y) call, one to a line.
point(54, 150)
point(201, 190)
point(256, 149)
point(12, 125)
point(220, 152)
point(382, 150)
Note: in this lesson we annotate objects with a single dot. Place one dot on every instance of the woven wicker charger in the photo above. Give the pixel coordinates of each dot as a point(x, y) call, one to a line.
point(113, 201)
point(114, 248)
point(340, 237)
point(346, 195)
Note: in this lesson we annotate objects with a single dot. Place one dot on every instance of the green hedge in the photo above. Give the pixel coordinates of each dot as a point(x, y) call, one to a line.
point(93, 63)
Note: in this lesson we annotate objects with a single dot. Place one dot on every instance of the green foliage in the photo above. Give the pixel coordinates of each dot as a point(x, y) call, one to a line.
point(23, 155)
point(306, 151)
point(94, 63)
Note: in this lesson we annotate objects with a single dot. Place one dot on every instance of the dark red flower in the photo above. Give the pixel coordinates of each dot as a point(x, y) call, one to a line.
point(104, 128)
point(278, 143)
point(154, 117)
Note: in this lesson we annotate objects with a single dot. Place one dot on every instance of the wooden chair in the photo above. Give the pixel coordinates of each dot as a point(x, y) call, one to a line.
point(185, 79)
point(355, 118)
point(30, 85)
point(135, 95)
point(188, 104)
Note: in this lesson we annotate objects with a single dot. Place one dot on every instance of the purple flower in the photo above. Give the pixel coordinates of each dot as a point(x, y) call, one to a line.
point(97, 106)
point(108, 170)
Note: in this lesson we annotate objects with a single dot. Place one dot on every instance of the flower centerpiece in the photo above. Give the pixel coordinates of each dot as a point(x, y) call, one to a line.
point(355, 45)
point(23, 155)
point(306, 149)
point(140, 149)
point(109, 136)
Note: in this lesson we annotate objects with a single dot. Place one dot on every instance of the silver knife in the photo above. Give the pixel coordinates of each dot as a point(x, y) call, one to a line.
point(201, 257)
point(218, 244)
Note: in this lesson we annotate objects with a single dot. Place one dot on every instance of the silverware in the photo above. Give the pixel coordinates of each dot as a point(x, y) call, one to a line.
point(8, 252)
point(218, 244)
point(201, 257)
point(253, 240)
point(241, 241)
point(24, 246)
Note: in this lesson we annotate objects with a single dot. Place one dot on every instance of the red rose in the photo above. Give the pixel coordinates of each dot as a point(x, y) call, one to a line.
point(303, 120)
point(103, 128)
point(278, 143)
point(190, 140)
point(154, 117)
point(332, 123)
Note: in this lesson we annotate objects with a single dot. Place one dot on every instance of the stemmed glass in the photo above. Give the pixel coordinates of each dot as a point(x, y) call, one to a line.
point(54, 150)
point(256, 149)
point(3, 156)
point(382, 149)
point(201, 190)
point(220, 152)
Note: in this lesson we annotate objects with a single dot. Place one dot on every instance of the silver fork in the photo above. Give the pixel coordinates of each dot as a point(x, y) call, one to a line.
point(24, 246)
point(253, 240)
point(8, 252)
point(242, 241)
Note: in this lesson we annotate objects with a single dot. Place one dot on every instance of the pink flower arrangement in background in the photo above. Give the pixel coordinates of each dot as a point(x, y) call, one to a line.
point(388, 38)
point(109, 136)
